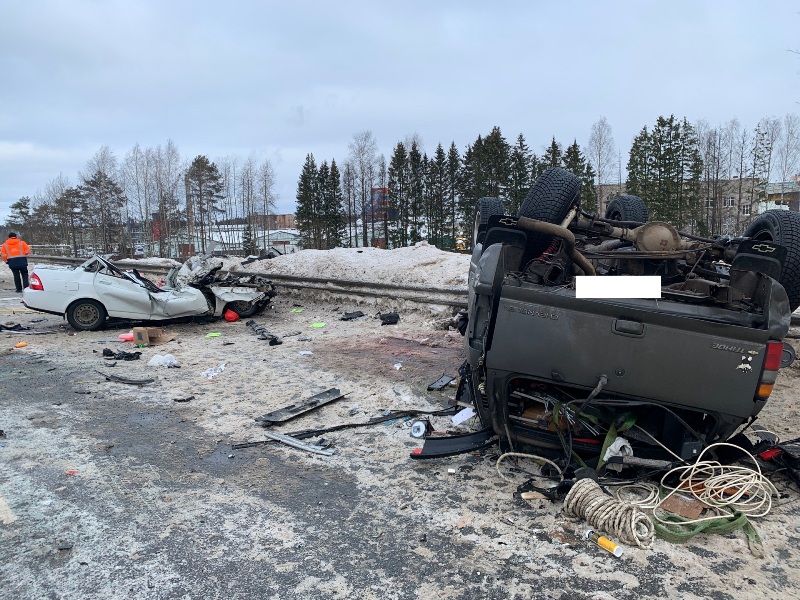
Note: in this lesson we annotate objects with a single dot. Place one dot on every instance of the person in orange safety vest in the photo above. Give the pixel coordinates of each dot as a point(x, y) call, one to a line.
point(15, 254)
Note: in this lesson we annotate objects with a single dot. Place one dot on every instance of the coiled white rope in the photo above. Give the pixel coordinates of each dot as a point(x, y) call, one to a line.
point(724, 488)
point(622, 520)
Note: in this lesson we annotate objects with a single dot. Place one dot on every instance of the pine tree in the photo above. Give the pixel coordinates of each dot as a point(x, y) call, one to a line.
point(537, 166)
point(416, 199)
point(333, 209)
point(322, 200)
point(20, 215)
point(438, 229)
point(639, 180)
point(306, 207)
point(398, 213)
point(689, 172)
point(552, 155)
point(496, 163)
point(104, 200)
point(664, 168)
point(520, 175)
point(486, 172)
point(204, 186)
point(575, 162)
point(249, 242)
point(451, 185)
point(71, 209)
point(472, 183)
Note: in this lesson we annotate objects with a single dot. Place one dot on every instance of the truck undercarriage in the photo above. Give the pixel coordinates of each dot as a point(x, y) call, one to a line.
point(570, 376)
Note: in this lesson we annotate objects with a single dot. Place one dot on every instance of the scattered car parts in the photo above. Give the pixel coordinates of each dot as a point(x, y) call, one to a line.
point(451, 445)
point(127, 380)
point(295, 443)
point(295, 410)
point(441, 383)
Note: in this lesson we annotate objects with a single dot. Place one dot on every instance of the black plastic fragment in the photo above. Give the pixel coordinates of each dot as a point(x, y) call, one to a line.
point(440, 447)
point(389, 318)
point(349, 316)
point(109, 354)
point(441, 383)
point(293, 410)
point(118, 379)
point(263, 333)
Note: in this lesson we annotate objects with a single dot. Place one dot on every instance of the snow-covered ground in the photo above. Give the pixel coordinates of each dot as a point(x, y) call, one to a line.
point(420, 265)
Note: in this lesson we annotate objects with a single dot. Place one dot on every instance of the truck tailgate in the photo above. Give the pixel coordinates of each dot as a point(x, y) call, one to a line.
point(646, 348)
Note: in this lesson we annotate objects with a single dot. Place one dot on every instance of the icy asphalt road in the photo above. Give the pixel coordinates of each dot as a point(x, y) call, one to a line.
point(112, 491)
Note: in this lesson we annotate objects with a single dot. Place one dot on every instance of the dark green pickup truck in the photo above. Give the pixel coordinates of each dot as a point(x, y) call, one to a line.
point(565, 374)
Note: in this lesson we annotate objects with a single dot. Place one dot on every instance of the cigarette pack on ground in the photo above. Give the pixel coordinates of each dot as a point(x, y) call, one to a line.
point(151, 336)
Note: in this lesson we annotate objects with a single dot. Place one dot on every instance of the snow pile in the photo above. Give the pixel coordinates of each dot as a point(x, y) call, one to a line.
point(419, 265)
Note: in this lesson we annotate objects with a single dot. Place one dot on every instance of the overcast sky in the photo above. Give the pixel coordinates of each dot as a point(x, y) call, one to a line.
point(282, 79)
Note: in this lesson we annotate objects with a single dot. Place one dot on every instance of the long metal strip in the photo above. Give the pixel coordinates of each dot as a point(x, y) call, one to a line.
point(295, 443)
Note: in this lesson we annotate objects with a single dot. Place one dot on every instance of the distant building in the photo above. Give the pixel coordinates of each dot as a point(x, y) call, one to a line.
point(276, 221)
point(784, 194)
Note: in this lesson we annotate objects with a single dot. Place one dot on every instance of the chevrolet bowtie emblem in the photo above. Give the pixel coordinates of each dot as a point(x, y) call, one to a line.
point(764, 248)
point(507, 221)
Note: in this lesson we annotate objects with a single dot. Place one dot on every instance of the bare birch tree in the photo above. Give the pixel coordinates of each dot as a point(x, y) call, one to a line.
point(170, 187)
point(349, 192)
point(266, 197)
point(788, 150)
point(363, 154)
point(602, 152)
point(138, 175)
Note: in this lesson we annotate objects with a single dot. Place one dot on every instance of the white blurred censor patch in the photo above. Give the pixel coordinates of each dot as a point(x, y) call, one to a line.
point(639, 286)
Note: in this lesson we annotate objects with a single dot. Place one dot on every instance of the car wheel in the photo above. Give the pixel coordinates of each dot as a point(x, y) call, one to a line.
point(243, 308)
point(86, 315)
point(782, 227)
point(627, 208)
point(552, 195)
point(485, 208)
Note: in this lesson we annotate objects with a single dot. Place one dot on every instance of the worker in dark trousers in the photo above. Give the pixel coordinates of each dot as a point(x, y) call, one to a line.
point(15, 254)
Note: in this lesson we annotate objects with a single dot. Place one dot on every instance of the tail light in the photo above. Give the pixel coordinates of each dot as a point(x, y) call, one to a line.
point(35, 283)
point(770, 373)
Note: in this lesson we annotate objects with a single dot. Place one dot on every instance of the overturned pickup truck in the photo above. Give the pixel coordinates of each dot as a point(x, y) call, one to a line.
point(89, 293)
point(566, 375)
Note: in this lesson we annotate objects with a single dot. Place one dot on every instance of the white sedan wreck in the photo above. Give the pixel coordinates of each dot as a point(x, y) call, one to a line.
point(95, 290)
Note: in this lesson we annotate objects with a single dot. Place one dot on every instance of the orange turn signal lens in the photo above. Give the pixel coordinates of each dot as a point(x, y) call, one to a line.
point(764, 390)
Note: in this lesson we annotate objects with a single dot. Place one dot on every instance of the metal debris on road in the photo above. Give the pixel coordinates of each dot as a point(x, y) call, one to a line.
point(439, 447)
point(109, 354)
point(441, 383)
point(421, 428)
point(295, 410)
point(295, 443)
point(349, 316)
point(263, 333)
point(118, 379)
point(389, 318)
point(11, 326)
